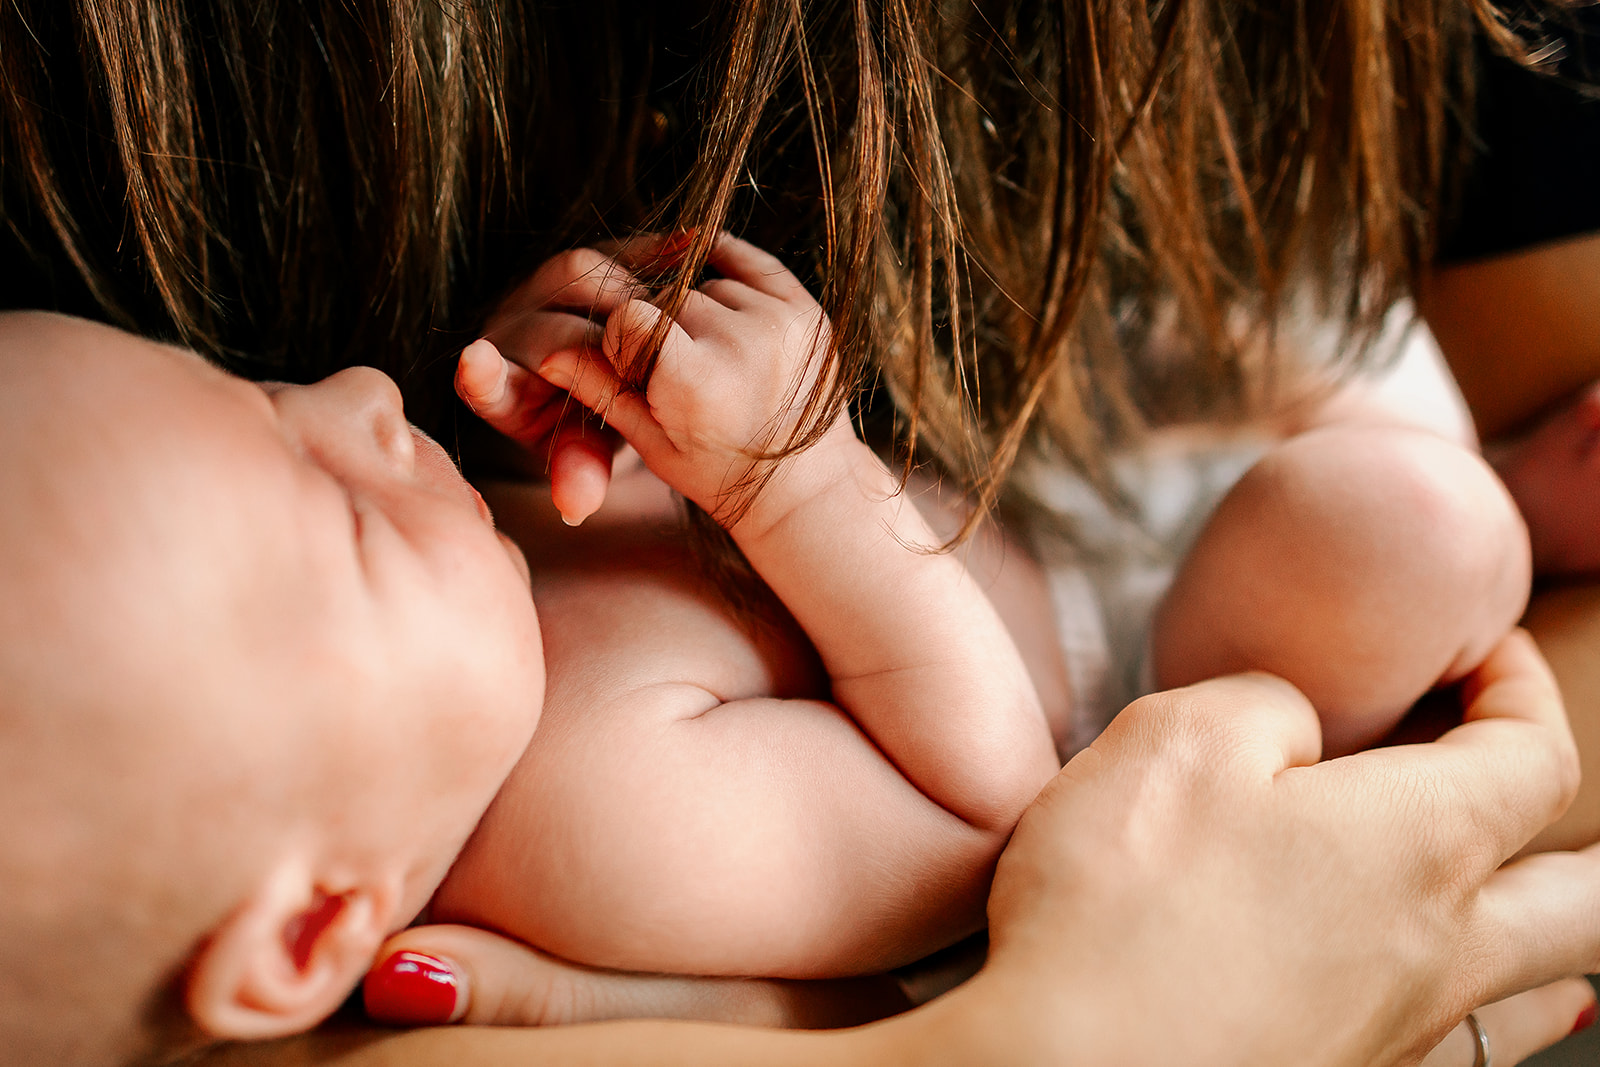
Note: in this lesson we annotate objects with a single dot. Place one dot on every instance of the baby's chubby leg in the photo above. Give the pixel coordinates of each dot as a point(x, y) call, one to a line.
point(1363, 562)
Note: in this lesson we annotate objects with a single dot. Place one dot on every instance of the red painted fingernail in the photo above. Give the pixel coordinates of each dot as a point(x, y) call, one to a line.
point(411, 989)
point(1586, 1017)
point(676, 244)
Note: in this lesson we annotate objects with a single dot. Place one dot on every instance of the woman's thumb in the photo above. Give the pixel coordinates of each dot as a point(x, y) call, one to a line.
point(430, 975)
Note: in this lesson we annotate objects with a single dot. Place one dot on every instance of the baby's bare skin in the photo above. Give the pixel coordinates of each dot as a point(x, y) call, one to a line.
point(719, 793)
point(628, 614)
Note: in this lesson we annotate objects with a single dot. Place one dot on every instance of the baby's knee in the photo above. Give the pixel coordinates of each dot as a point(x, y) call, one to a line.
point(1416, 521)
point(1363, 563)
point(1413, 505)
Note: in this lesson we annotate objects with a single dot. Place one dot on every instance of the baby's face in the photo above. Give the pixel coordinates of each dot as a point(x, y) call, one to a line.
point(403, 564)
point(286, 589)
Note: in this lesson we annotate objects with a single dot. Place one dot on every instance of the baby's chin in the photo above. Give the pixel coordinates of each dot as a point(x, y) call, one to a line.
point(518, 559)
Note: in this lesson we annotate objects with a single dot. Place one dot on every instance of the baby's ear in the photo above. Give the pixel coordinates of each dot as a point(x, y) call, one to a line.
point(287, 957)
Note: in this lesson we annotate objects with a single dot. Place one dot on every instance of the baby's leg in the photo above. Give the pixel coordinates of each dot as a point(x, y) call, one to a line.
point(1364, 563)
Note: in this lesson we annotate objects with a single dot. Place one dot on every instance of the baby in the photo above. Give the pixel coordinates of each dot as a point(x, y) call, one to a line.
point(268, 661)
point(668, 814)
point(821, 793)
point(269, 665)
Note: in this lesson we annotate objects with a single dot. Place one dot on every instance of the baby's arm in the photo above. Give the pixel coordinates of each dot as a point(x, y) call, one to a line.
point(686, 823)
point(914, 651)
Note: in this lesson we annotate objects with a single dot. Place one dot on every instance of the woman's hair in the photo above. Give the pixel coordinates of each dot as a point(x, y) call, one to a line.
point(1046, 225)
point(293, 188)
point(1036, 226)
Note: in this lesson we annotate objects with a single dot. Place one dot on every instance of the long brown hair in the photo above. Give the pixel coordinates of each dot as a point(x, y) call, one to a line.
point(1037, 225)
point(1046, 225)
point(292, 188)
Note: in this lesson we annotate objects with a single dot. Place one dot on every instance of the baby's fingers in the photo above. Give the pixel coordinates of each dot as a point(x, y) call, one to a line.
point(518, 404)
point(593, 383)
point(580, 467)
point(629, 334)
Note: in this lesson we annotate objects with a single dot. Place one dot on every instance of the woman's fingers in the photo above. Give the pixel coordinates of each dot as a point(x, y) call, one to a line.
point(1519, 1026)
point(1542, 914)
point(1368, 885)
point(1258, 718)
point(430, 975)
point(1493, 782)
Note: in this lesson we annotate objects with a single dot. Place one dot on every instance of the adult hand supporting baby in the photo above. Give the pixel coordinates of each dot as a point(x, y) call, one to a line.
point(435, 974)
point(1203, 870)
point(1195, 888)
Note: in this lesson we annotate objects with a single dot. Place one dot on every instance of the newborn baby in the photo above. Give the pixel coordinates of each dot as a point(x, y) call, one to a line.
point(269, 664)
point(273, 661)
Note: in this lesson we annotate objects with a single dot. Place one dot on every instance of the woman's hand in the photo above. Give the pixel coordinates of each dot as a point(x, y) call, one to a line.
point(1196, 888)
point(437, 974)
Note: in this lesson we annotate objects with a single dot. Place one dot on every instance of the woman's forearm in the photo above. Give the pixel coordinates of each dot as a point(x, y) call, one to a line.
point(1566, 622)
point(638, 1043)
point(1520, 331)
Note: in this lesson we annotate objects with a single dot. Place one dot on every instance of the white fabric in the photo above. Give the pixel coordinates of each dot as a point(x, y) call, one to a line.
point(1108, 570)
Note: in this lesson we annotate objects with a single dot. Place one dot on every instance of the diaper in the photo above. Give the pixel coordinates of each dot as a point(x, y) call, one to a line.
point(1108, 567)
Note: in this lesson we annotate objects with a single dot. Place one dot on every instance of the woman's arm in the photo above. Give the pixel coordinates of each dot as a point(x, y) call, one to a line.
point(1521, 332)
point(1342, 914)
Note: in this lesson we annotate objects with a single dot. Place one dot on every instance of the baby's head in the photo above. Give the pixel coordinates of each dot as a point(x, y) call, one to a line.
point(263, 664)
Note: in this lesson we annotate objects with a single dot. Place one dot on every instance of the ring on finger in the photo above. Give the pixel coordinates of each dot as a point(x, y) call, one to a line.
point(1480, 1041)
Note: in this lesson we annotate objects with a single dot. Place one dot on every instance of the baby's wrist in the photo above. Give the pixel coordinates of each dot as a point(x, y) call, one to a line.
point(793, 484)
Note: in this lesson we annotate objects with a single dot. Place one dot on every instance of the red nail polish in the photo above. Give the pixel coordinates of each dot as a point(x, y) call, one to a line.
point(411, 989)
point(675, 244)
point(1586, 1017)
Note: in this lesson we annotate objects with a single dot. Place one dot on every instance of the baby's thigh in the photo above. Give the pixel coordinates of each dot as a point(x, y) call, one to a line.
point(1363, 562)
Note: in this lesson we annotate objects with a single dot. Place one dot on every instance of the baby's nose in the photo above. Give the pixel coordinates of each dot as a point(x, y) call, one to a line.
point(371, 397)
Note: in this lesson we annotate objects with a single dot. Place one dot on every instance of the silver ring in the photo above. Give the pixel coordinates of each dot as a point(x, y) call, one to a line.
point(1481, 1037)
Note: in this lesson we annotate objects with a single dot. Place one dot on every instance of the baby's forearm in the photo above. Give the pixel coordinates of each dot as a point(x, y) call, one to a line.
point(914, 650)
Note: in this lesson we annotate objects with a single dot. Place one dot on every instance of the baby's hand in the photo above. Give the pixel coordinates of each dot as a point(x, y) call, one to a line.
point(1553, 473)
point(730, 382)
point(557, 308)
